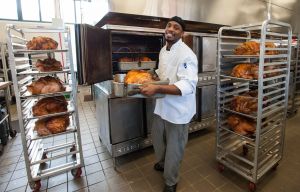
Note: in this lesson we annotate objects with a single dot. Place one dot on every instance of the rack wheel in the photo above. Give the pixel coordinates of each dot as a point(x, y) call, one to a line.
point(4, 142)
point(252, 186)
point(73, 148)
point(1, 149)
point(13, 133)
point(221, 167)
point(76, 172)
point(35, 186)
point(274, 168)
point(245, 150)
point(44, 156)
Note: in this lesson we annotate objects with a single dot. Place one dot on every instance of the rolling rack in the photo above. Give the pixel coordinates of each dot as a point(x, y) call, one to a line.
point(4, 70)
point(294, 96)
point(6, 129)
point(45, 156)
point(253, 155)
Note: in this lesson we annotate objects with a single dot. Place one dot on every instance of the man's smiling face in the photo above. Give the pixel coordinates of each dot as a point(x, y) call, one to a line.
point(173, 32)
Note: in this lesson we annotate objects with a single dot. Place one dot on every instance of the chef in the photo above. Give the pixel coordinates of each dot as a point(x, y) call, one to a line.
point(179, 65)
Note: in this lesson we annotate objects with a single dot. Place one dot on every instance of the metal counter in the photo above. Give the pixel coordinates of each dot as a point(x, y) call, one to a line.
point(125, 123)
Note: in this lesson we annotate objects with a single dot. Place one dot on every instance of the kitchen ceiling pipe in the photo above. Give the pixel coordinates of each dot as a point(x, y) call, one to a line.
point(269, 14)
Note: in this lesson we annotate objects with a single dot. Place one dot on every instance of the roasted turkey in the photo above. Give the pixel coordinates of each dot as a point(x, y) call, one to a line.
point(241, 125)
point(246, 71)
point(41, 43)
point(253, 48)
point(46, 84)
point(50, 105)
point(52, 125)
point(245, 103)
point(128, 59)
point(145, 59)
point(49, 64)
point(138, 77)
point(250, 71)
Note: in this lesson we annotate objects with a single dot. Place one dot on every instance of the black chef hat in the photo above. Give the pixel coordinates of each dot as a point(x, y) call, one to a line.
point(179, 21)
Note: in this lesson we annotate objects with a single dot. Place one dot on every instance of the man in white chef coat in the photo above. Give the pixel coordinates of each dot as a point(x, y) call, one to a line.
point(179, 65)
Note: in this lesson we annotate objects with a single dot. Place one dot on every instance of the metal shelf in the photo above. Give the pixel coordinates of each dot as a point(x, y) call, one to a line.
point(20, 51)
point(257, 56)
point(35, 153)
point(27, 94)
point(251, 156)
point(36, 72)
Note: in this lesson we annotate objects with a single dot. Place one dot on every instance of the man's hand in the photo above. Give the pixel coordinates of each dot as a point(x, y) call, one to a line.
point(149, 89)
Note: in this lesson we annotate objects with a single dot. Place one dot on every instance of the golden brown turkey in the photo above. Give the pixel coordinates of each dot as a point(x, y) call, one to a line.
point(241, 125)
point(49, 64)
point(50, 105)
point(128, 59)
point(245, 103)
point(138, 77)
point(145, 59)
point(52, 125)
point(46, 84)
point(253, 48)
point(246, 71)
point(250, 71)
point(41, 43)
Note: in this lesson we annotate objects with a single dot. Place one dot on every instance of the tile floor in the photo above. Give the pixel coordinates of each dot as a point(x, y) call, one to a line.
point(134, 172)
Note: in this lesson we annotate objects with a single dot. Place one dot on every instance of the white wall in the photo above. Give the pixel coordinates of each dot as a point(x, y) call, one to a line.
point(226, 12)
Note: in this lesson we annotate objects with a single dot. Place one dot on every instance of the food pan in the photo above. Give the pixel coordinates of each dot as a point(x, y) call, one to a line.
point(134, 91)
point(119, 86)
point(136, 65)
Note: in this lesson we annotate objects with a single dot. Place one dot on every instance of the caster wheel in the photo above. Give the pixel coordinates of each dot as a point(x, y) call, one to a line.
point(245, 150)
point(13, 133)
point(221, 167)
point(274, 168)
point(76, 172)
point(35, 186)
point(44, 156)
point(4, 142)
point(73, 148)
point(252, 186)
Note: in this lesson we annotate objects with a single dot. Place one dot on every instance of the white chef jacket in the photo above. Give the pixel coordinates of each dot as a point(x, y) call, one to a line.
point(180, 66)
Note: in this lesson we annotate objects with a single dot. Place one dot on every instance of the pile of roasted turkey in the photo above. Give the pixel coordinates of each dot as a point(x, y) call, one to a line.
point(246, 102)
point(43, 108)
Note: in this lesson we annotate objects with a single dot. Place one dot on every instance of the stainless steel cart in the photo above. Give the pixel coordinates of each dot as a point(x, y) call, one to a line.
point(294, 96)
point(54, 154)
point(4, 69)
point(6, 128)
point(252, 155)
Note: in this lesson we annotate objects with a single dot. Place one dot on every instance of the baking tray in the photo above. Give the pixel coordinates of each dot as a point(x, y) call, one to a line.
point(134, 91)
point(124, 66)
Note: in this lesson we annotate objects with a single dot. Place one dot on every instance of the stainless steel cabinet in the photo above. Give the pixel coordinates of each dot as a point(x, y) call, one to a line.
point(205, 102)
point(126, 119)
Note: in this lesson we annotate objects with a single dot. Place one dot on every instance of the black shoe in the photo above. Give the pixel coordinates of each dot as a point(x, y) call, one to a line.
point(158, 167)
point(170, 188)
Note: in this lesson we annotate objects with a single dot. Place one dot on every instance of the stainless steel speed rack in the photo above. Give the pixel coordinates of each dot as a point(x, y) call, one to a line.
point(294, 94)
point(252, 97)
point(53, 153)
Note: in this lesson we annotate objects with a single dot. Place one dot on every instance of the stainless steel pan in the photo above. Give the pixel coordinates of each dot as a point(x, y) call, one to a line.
point(133, 90)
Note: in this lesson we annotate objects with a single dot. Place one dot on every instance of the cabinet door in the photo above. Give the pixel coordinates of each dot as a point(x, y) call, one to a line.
point(97, 54)
point(208, 101)
point(209, 54)
point(126, 119)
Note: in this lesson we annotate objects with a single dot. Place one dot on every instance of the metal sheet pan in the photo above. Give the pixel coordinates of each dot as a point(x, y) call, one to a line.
point(137, 65)
point(134, 91)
